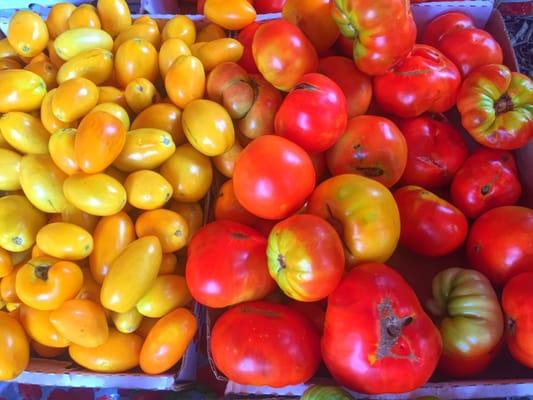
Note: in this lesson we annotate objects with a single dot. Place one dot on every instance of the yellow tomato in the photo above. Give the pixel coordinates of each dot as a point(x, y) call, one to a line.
point(128, 321)
point(147, 190)
point(96, 194)
point(9, 63)
point(42, 183)
point(225, 163)
point(145, 148)
point(135, 58)
point(148, 32)
point(218, 51)
point(24, 133)
point(9, 170)
point(65, 241)
point(140, 94)
point(230, 14)
point(170, 50)
point(208, 127)
point(37, 325)
point(210, 32)
point(181, 27)
point(27, 33)
point(95, 65)
point(20, 90)
point(167, 293)
point(81, 322)
point(46, 70)
point(164, 116)
point(48, 119)
point(170, 228)
point(74, 99)
point(116, 111)
point(61, 147)
point(15, 354)
point(169, 264)
point(75, 41)
point(57, 21)
point(110, 94)
point(85, 16)
point(193, 214)
point(19, 223)
point(115, 15)
point(185, 80)
point(131, 274)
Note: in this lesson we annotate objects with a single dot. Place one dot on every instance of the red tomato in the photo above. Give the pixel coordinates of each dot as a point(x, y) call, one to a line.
point(371, 146)
point(246, 37)
point(227, 264)
point(314, 113)
point(261, 343)
point(500, 243)
point(273, 177)
point(268, 6)
point(355, 85)
point(425, 80)
point(436, 150)
point(283, 54)
point(487, 179)
point(429, 224)
point(377, 338)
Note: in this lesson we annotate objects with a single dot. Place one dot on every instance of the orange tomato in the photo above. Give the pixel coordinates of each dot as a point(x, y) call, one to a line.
point(167, 293)
point(164, 116)
point(27, 33)
point(230, 14)
point(170, 228)
point(95, 65)
point(168, 264)
point(24, 133)
point(110, 94)
point(46, 70)
point(140, 94)
point(145, 148)
point(111, 236)
point(48, 119)
point(132, 273)
point(20, 90)
point(45, 283)
point(9, 63)
point(128, 321)
point(135, 58)
point(189, 172)
point(15, 354)
point(119, 353)
point(61, 148)
point(193, 214)
point(9, 170)
point(210, 32)
point(65, 241)
point(46, 351)
point(90, 289)
point(77, 217)
point(37, 325)
point(185, 80)
point(115, 15)
point(170, 50)
point(74, 99)
point(99, 140)
point(181, 27)
point(147, 190)
point(75, 41)
point(85, 16)
point(218, 51)
point(225, 162)
point(6, 264)
point(57, 21)
point(115, 110)
point(148, 32)
point(167, 341)
point(81, 322)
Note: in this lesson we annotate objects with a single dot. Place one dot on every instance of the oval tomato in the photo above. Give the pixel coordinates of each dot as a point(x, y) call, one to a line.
point(77, 217)
point(232, 15)
point(225, 163)
point(115, 15)
point(74, 98)
point(27, 33)
point(148, 32)
point(24, 133)
point(95, 65)
point(167, 293)
point(48, 119)
point(84, 16)
point(185, 80)
point(9, 170)
point(21, 90)
point(180, 27)
point(218, 51)
point(65, 241)
point(140, 94)
point(168, 226)
point(193, 214)
point(57, 21)
point(75, 41)
point(6, 264)
point(147, 190)
point(136, 58)
point(210, 32)
point(164, 116)
point(15, 354)
point(170, 50)
point(46, 70)
point(116, 111)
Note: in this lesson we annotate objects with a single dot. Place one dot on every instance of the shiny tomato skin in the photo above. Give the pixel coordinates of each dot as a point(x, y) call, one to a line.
point(314, 113)
point(265, 175)
point(246, 37)
point(499, 243)
point(487, 179)
point(253, 343)
point(436, 151)
point(376, 331)
point(220, 252)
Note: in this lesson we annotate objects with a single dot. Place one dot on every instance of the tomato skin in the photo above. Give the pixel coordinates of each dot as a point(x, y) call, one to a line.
point(116, 111)
point(275, 163)
point(429, 224)
point(185, 80)
point(499, 243)
point(21, 90)
point(115, 16)
point(15, 354)
point(37, 325)
point(193, 214)
point(270, 336)
point(181, 27)
point(46, 70)
point(65, 241)
point(246, 37)
point(371, 146)
point(436, 151)
point(84, 16)
point(95, 65)
point(48, 119)
point(75, 41)
point(140, 94)
point(218, 51)
point(225, 163)
point(283, 54)
point(74, 98)
point(170, 228)
point(136, 58)
point(27, 33)
point(232, 15)
point(24, 133)
point(208, 269)
point(147, 190)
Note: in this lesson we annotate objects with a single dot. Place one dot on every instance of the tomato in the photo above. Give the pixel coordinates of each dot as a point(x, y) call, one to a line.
point(499, 243)
point(283, 54)
point(15, 354)
point(6, 264)
point(84, 16)
point(225, 162)
point(45, 283)
point(111, 94)
point(47, 352)
point(436, 151)
point(115, 15)
point(140, 94)
point(27, 33)
point(95, 65)
point(458, 38)
point(470, 321)
point(9, 170)
point(115, 110)
point(167, 293)
point(168, 226)
point(229, 14)
point(131, 274)
point(19, 223)
point(147, 190)
point(167, 341)
point(37, 325)
point(57, 21)
point(127, 322)
point(516, 299)
point(185, 80)
point(136, 58)
point(74, 98)
point(265, 173)
point(46, 70)
point(24, 133)
point(20, 90)
point(228, 207)
point(119, 353)
point(147, 32)
point(48, 119)
point(193, 214)
point(189, 172)
point(164, 116)
point(170, 50)
point(75, 41)
point(210, 32)
point(65, 241)
point(377, 331)
point(219, 51)
point(371, 146)
point(494, 104)
point(246, 37)
point(255, 337)
point(224, 249)
point(180, 27)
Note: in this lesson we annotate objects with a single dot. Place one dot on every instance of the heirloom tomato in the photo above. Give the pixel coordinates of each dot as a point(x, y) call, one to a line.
point(115, 16)
point(229, 14)
point(15, 354)
point(376, 331)
point(27, 33)
point(37, 325)
point(21, 90)
point(246, 37)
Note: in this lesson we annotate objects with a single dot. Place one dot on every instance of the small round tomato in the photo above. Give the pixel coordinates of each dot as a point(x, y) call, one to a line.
point(37, 325)
point(74, 98)
point(21, 90)
point(136, 58)
point(210, 32)
point(75, 41)
point(48, 119)
point(24, 133)
point(116, 111)
point(265, 175)
point(147, 190)
point(15, 354)
point(61, 147)
point(57, 21)
point(225, 162)
point(115, 15)
point(46, 70)
point(95, 65)
point(180, 27)
point(170, 228)
point(27, 33)
point(167, 293)
point(128, 321)
point(185, 80)
point(84, 16)
point(229, 14)
point(9, 170)
point(140, 94)
point(218, 51)
point(371, 146)
point(65, 241)
point(147, 32)
point(246, 37)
